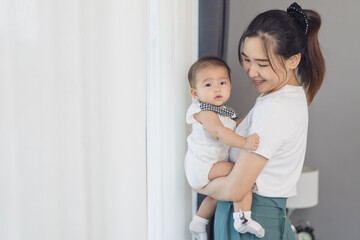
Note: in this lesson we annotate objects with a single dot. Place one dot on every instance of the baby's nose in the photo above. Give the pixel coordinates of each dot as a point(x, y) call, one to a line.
point(217, 88)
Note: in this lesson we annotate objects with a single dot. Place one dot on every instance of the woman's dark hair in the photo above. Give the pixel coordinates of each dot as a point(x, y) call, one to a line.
point(205, 62)
point(286, 35)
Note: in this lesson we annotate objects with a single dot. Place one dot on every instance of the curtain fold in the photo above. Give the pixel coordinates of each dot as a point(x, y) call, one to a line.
point(73, 120)
point(172, 49)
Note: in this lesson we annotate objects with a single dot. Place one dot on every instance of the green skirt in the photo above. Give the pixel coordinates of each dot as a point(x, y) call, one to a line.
point(269, 212)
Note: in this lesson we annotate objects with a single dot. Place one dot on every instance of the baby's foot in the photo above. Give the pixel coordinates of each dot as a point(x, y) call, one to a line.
point(198, 228)
point(244, 225)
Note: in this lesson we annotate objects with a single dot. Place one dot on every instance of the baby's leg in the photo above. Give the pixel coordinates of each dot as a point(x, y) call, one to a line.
point(201, 219)
point(244, 204)
point(242, 217)
point(207, 208)
point(220, 169)
point(208, 205)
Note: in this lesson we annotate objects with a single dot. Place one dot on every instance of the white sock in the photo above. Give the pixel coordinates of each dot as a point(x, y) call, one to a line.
point(198, 227)
point(244, 223)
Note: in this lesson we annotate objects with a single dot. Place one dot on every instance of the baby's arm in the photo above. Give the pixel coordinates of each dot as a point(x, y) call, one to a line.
point(252, 142)
point(210, 120)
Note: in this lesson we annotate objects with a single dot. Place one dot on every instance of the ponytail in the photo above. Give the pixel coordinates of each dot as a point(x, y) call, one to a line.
point(311, 69)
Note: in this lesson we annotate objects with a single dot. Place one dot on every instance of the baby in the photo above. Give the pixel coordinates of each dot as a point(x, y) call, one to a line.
point(213, 125)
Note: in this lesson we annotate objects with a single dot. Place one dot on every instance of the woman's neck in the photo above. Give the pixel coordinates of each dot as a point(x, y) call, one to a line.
point(292, 79)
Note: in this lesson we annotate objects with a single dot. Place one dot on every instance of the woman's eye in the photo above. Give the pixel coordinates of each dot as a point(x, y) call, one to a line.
point(246, 60)
point(208, 85)
point(263, 65)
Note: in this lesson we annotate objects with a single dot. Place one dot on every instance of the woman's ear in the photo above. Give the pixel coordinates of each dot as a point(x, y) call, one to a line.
point(294, 61)
point(194, 93)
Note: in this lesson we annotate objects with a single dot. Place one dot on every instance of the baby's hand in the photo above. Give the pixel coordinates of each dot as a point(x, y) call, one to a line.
point(252, 142)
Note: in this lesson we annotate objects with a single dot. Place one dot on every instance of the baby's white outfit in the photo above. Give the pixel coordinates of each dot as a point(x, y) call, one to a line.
point(203, 149)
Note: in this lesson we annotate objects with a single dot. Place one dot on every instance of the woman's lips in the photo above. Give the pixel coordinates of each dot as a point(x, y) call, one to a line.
point(257, 83)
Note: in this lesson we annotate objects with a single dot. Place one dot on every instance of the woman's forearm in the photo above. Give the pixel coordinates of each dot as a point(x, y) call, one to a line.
point(239, 182)
point(222, 189)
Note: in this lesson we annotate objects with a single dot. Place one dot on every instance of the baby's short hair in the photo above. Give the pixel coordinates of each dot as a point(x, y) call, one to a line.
point(203, 63)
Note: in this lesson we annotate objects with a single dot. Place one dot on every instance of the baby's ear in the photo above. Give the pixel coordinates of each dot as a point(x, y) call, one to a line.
point(194, 93)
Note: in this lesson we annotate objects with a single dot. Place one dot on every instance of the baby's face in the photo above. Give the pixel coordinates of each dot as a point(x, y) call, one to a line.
point(212, 85)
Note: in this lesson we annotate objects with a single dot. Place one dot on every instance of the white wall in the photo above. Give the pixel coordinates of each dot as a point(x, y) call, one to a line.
point(333, 137)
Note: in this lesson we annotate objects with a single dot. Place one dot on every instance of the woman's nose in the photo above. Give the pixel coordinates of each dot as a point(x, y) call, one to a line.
point(252, 72)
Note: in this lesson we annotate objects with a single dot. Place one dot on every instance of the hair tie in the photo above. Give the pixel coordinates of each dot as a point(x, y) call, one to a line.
point(296, 11)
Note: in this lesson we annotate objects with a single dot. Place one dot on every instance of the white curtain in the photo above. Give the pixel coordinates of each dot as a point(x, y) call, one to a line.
point(73, 119)
point(172, 49)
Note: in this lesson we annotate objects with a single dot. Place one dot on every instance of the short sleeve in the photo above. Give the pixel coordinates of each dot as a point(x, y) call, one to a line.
point(194, 108)
point(274, 127)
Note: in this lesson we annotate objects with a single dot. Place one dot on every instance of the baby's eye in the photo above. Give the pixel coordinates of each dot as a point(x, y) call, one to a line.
point(223, 83)
point(208, 85)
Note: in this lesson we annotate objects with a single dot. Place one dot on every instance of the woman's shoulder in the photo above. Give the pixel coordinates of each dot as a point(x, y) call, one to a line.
point(266, 108)
point(289, 99)
point(286, 109)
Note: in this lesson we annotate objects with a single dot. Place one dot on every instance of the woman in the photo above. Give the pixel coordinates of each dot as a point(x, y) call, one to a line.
point(275, 44)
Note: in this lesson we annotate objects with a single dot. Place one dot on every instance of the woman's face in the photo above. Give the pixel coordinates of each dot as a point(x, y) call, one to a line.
point(266, 79)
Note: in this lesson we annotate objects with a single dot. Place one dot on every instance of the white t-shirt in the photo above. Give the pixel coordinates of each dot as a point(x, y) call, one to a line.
point(281, 120)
